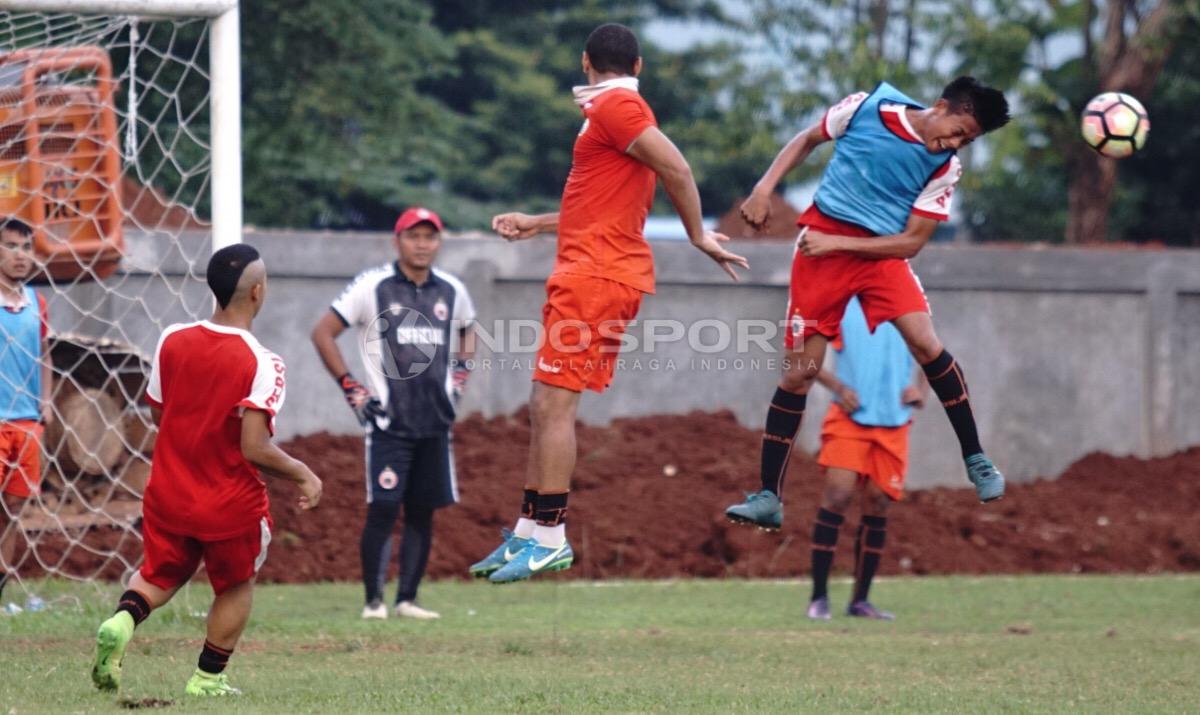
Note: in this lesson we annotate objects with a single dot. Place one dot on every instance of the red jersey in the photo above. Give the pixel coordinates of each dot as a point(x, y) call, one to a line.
point(203, 378)
point(608, 193)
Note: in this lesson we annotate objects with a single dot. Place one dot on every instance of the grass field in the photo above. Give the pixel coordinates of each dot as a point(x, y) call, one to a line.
point(961, 645)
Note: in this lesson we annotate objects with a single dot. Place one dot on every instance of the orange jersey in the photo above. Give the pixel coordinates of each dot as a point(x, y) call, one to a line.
point(608, 194)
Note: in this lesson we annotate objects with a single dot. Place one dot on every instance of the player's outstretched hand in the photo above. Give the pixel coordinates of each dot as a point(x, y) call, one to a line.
point(815, 243)
point(848, 398)
point(913, 396)
point(756, 210)
point(310, 490)
point(514, 226)
point(711, 245)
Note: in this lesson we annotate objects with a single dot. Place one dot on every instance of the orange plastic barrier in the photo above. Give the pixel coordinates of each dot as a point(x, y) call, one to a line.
point(60, 163)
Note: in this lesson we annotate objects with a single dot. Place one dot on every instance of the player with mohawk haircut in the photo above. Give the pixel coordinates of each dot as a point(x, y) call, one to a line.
point(214, 391)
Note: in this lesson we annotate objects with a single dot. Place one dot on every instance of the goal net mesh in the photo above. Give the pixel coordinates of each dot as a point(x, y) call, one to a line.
point(104, 152)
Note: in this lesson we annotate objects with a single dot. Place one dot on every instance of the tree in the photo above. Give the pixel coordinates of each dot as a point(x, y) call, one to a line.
point(1128, 57)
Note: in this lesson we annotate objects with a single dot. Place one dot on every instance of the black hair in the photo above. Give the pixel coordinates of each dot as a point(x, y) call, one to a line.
point(613, 48)
point(986, 104)
point(16, 225)
point(225, 269)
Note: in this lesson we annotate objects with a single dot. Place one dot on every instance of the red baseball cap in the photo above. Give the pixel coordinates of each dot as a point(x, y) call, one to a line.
point(415, 215)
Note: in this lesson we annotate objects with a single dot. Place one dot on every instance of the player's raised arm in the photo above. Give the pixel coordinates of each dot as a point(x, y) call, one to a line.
point(756, 209)
point(656, 151)
point(259, 450)
point(906, 244)
point(516, 226)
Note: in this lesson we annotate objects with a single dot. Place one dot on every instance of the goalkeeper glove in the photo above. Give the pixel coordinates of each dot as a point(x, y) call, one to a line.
point(458, 379)
point(365, 405)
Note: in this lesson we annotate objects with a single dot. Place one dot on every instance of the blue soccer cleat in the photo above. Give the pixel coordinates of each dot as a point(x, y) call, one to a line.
point(762, 509)
point(535, 559)
point(502, 554)
point(988, 481)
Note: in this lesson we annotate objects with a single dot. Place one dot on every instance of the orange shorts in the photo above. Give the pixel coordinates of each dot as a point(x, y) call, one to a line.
point(21, 452)
point(821, 287)
point(170, 559)
point(584, 319)
point(879, 453)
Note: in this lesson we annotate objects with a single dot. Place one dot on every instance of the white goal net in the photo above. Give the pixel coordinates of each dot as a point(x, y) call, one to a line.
point(106, 152)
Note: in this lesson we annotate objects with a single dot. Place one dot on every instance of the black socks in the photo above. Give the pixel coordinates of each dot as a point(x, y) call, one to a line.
point(213, 659)
point(134, 604)
point(868, 550)
point(824, 543)
point(783, 421)
point(947, 380)
point(551, 509)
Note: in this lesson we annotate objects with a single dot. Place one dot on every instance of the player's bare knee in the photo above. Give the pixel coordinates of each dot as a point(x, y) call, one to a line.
point(924, 346)
point(798, 377)
point(836, 499)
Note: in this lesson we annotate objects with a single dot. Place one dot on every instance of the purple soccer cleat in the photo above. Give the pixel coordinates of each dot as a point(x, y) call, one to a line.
point(818, 609)
point(864, 609)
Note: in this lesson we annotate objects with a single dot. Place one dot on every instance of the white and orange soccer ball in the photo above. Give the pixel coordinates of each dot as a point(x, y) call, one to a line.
point(1115, 124)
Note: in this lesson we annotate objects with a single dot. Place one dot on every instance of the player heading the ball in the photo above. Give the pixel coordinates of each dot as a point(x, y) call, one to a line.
point(889, 183)
point(214, 392)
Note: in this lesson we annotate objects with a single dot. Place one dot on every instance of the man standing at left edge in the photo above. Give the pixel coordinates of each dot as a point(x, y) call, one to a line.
point(25, 382)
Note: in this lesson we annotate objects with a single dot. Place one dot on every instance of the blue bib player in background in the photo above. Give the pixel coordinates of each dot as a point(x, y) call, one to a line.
point(889, 183)
point(25, 383)
point(864, 452)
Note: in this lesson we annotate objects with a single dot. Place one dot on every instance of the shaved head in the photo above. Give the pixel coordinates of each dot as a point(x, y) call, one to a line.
point(254, 274)
point(233, 271)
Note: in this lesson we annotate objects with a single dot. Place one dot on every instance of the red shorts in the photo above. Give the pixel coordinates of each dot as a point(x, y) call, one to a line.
point(21, 455)
point(821, 287)
point(584, 319)
point(877, 453)
point(171, 559)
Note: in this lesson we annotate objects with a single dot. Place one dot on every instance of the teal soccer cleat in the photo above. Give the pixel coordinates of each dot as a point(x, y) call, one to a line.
point(502, 554)
point(535, 559)
point(762, 509)
point(988, 481)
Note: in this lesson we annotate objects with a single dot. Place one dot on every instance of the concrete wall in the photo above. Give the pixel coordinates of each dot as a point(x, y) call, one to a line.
point(1066, 351)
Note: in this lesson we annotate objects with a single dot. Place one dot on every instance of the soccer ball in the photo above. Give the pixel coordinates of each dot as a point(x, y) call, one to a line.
point(1115, 124)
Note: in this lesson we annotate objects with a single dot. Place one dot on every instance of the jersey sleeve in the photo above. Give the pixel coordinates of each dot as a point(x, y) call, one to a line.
point(353, 306)
point(154, 394)
point(837, 118)
point(623, 118)
point(464, 308)
point(937, 196)
point(269, 387)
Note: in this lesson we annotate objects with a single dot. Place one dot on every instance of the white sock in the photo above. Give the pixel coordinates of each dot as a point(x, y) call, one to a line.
point(552, 536)
point(524, 527)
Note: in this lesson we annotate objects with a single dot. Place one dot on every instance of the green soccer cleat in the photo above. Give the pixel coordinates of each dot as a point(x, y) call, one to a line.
point(111, 639)
point(762, 509)
point(205, 684)
point(500, 556)
point(988, 481)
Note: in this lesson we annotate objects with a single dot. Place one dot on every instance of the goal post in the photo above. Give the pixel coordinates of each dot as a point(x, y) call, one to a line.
point(120, 145)
point(224, 53)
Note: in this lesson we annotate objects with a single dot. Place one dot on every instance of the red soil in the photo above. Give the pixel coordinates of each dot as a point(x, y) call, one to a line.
point(630, 519)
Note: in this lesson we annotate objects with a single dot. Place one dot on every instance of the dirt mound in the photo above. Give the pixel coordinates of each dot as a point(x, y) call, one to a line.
point(633, 516)
point(648, 500)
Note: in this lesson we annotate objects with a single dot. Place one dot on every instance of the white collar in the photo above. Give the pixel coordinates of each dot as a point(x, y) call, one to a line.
point(227, 329)
point(586, 93)
point(22, 300)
